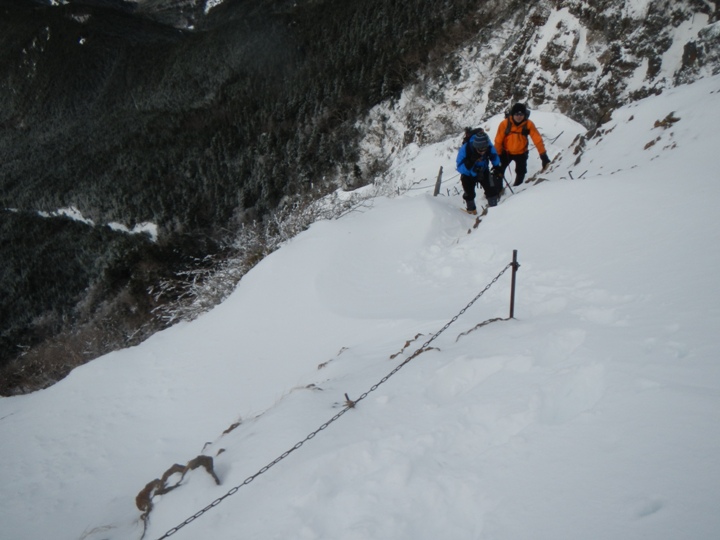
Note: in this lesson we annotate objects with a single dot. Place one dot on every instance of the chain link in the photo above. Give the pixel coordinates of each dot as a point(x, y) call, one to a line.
point(349, 406)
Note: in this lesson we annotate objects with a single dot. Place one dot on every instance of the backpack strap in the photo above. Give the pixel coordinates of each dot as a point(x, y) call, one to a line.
point(525, 130)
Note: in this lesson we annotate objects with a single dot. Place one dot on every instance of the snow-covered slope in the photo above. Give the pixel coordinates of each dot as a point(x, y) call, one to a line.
point(591, 415)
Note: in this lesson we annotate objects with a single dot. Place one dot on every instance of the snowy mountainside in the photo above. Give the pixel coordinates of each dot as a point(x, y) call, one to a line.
point(590, 381)
point(591, 415)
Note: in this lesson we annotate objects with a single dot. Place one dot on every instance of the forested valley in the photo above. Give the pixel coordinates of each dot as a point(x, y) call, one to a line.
point(202, 131)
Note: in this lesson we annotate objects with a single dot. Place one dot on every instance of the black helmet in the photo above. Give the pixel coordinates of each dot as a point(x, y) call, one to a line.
point(481, 142)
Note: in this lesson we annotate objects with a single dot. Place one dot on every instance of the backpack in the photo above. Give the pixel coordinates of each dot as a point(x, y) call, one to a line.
point(469, 132)
point(525, 130)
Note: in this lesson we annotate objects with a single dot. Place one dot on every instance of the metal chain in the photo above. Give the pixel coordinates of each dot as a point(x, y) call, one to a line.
point(350, 405)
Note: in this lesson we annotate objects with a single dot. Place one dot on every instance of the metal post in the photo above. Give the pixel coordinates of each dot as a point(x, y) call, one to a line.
point(515, 267)
point(437, 183)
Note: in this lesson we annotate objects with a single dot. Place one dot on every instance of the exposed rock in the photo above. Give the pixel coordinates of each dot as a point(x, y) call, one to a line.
point(581, 59)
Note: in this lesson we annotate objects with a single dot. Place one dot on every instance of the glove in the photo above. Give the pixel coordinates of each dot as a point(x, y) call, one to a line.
point(497, 171)
point(545, 160)
point(476, 168)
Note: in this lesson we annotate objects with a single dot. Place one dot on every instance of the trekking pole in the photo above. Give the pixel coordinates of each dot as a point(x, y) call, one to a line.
point(508, 184)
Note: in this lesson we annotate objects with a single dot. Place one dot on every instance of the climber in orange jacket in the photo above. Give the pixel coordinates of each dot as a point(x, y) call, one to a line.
point(511, 142)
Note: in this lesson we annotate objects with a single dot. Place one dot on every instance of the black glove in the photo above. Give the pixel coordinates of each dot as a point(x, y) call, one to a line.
point(545, 160)
point(476, 168)
point(497, 171)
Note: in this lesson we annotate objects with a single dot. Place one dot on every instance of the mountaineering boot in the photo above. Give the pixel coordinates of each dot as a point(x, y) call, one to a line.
point(517, 182)
point(492, 201)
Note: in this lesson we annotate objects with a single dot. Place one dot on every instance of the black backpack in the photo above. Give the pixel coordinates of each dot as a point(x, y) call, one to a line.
point(470, 154)
point(469, 132)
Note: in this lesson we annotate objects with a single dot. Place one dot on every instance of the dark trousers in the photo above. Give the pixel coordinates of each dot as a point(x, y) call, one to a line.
point(520, 165)
point(491, 186)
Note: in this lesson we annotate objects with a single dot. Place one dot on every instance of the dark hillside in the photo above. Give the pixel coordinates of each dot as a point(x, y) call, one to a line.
point(85, 284)
point(129, 120)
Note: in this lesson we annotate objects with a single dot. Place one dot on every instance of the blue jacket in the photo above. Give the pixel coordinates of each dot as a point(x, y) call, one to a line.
point(467, 159)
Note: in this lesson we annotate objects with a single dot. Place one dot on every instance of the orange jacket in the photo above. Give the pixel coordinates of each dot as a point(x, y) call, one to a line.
point(515, 142)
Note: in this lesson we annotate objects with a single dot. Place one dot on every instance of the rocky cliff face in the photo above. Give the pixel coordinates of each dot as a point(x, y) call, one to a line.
point(579, 58)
